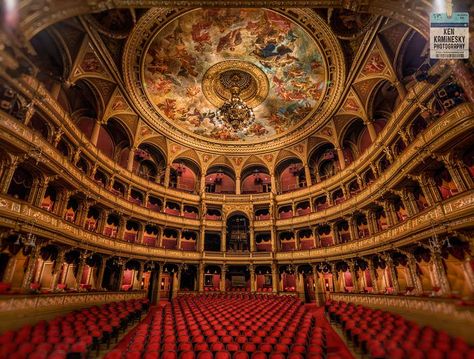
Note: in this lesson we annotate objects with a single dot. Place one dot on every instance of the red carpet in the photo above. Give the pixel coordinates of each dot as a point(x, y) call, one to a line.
point(336, 348)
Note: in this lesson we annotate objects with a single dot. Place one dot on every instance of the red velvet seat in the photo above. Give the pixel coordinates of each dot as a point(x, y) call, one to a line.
point(205, 354)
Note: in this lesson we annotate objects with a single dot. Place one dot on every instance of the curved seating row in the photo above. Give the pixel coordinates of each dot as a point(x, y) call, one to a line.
point(224, 326)
point(382, 334)
point(75, 334)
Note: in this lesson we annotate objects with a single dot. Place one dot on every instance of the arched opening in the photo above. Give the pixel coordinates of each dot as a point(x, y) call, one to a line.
point(184, 174)
point(220, 179)
point(263, 242)
point(355, 141)
point(291, 175)
point(212, 242)
point(237, 233)
point(21, 183)
point(150, 163)
point(255, 179)
point(287, 241)
point(323, 162)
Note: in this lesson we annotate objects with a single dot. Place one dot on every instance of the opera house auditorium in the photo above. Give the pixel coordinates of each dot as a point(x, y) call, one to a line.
point(234, 180)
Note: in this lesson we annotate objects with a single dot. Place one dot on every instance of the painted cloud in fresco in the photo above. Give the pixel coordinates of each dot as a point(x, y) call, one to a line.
point(183, 50)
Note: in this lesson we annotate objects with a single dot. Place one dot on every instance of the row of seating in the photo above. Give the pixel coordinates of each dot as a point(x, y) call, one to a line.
point(382, 334)
point(75, 334)
point(225, 326)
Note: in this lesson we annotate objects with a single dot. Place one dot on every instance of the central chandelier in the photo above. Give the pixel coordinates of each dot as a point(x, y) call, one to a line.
point(235, 112)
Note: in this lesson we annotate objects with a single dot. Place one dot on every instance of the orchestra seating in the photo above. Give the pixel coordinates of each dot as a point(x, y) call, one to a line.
point(382, 334)
point(226, 326)
point(74, 335)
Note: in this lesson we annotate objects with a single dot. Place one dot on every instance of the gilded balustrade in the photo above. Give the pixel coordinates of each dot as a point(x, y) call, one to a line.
point(456, 121)
point(30, 87)
point(30, 302)
point(435, 306)
point(457, 212)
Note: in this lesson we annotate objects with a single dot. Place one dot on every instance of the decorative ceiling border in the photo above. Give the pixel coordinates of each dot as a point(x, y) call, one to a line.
point(316, 27)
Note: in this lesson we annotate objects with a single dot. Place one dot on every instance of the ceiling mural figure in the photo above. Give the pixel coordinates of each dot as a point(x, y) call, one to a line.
point(183, 51)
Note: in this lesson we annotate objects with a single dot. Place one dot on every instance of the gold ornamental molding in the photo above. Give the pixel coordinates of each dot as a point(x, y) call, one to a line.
point(253, 93)
point(455, 122)
point(36, 15)
point(28, 86)
point(332, 55)
point(22, 303)
point(409, 304)
point(455, 213)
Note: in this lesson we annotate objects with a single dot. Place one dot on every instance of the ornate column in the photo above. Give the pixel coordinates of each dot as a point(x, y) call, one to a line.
point(273, 237)
point(201, 277)
point(30, 268)
point(63, 199)
point(224, 238)
point(413, 274)
point(202, 235)
point(122, 226)
point(404, 137)
point(57, 137)
point(355, 280)
point(131, 156)
point(104, 215)
point(252, 278)
point(8, 174)
point(202, 183)
point(454, 173)
point(354, 233)
point(468, 272)
point(340, 157)
point(252, 236)
point(166, 181)
point(371, 129)
point(273, 183)
point(389, 209)
point(393, 273)
point(402, 92)
point(121, 265)
point(307, 174)
point(58, 264)
point(100, 272)
point(237, 185)
point(137, 284)
point(335, 232)
point(96, 131)
point(223, 273)
point(370, 216)
point(425, 188)
point(177, 282)
point(335, 278)
point(41, 191)
point(439, 272)
point(373, 276)
point(141, 233)
point(80, 269)
point(160, 277)
point(318, 294)
point(275, 278)
point(178, 240)
point(466, 176)
point(10, 269)
point(84, 209)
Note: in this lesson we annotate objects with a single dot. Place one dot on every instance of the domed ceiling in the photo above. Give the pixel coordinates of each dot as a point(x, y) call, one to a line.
point(277, 53)
point(244, 78)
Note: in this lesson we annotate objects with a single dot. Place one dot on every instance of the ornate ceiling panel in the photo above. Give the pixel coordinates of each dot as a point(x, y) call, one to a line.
point(275, 51)
point(287, 66)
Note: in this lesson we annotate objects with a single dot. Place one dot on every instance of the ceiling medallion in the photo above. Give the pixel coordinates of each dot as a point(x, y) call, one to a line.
point(235, 87)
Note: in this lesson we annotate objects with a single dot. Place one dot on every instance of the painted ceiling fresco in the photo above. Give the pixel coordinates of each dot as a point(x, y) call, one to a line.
point(187, 47)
